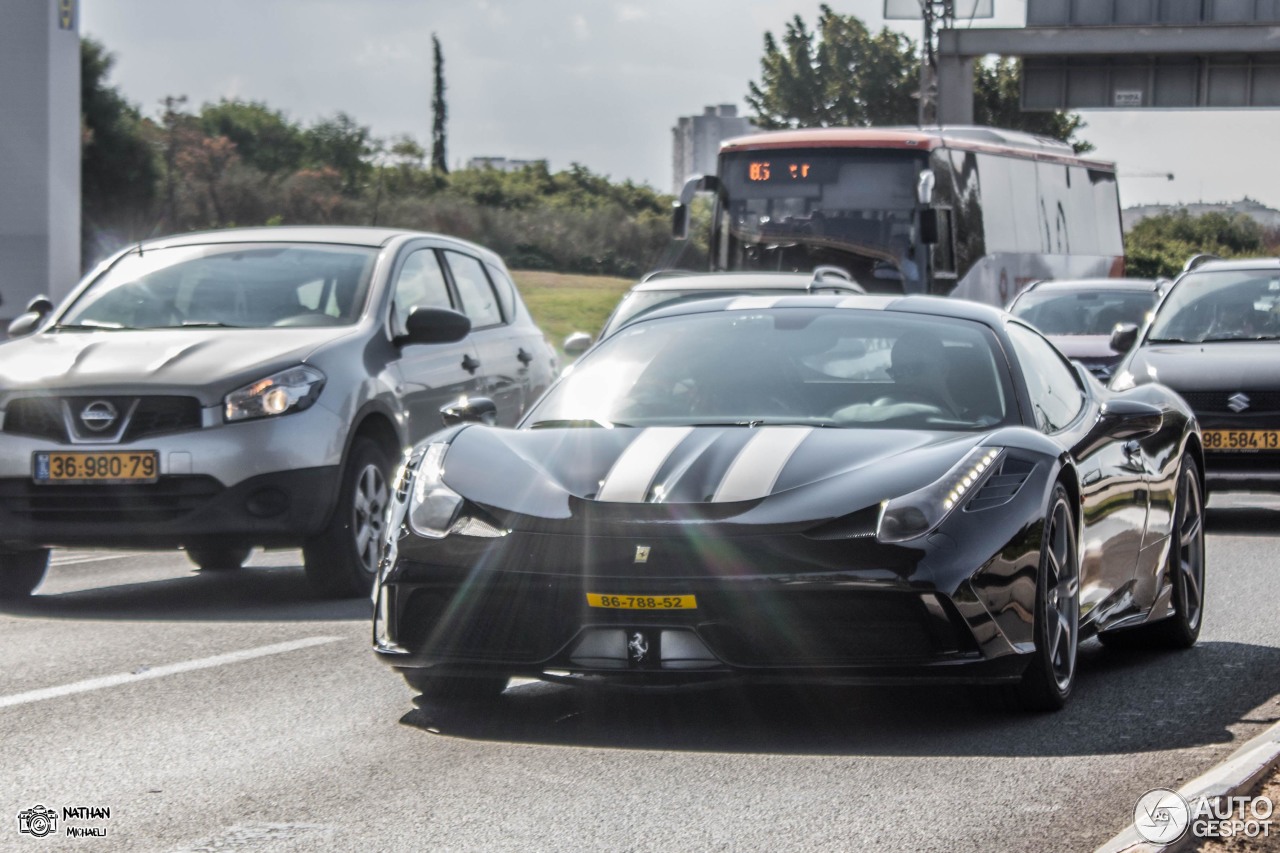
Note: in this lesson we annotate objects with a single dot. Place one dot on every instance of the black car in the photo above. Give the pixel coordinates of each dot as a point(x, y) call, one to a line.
point(848, 488)
point(1080, 315)
point(1215, 339)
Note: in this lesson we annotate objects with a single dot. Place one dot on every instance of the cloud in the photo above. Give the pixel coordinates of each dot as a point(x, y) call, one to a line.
point(578, 25)
point(628, 12)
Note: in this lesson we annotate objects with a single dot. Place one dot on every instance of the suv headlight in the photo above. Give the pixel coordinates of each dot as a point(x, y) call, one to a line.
point(289, 390)
point(435, 510)
point(920, 512)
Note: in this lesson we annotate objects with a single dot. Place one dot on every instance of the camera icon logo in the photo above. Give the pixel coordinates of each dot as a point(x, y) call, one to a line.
point(38, 821)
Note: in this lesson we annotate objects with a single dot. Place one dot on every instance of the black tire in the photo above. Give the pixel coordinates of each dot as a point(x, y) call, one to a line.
point(21, 572)
point(343, 560)
point(1047, 682)
point(218, 558)
point(1185, 570)
point(455, 689)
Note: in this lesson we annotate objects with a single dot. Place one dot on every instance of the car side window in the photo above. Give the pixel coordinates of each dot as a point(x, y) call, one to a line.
point(479, 302)
point(506, 291)
point(1054, 387)
point(420, 283)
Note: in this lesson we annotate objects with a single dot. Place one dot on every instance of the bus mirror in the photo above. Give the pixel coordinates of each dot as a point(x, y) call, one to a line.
point(929, 227)
point(924, 187)
point(680, 221)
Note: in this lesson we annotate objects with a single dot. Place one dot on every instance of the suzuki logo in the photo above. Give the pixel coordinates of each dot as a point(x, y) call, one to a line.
point(1238, 402)
point(98, 415)
point(642, 553)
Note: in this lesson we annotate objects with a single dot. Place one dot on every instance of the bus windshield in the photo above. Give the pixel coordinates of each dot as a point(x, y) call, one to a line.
point(794, 209)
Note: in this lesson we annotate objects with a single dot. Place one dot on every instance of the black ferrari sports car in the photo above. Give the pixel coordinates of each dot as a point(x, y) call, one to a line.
point(799, 488)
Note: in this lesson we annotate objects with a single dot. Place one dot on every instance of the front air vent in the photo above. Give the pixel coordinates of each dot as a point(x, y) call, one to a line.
point(1002, 485)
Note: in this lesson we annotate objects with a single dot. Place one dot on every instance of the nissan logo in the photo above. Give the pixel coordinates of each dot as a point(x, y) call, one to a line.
point(98, 415)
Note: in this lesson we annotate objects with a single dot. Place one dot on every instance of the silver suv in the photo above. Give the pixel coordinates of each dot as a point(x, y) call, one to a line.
point(251, 387)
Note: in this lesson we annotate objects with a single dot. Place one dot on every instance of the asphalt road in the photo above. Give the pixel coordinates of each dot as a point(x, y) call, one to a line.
point(236, 711)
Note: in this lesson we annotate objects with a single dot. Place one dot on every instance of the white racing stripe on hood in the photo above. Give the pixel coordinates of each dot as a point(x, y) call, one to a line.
point(632, 473)
point(759, 463)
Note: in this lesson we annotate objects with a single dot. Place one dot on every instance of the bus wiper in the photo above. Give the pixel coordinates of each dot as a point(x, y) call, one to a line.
point(571, 423)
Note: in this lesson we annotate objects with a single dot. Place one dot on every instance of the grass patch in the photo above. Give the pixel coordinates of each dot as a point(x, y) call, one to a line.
point(565, 303)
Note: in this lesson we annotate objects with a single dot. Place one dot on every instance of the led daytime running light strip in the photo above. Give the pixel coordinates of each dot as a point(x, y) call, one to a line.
point(969, 478)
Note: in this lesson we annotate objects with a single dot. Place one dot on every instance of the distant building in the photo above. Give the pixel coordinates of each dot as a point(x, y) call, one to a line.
point(1265, 216)
point(502, 164)
point(696, 141)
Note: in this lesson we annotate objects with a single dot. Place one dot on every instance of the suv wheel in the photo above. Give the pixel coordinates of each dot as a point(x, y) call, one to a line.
point(218, 558)
point(343, 560)
point(21, 573)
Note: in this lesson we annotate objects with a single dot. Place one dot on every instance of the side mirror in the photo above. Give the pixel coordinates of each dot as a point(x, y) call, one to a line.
point(924, 186)
point(679, 221)
point(1130, 419)
point(40, 305)
point(472, 410)
point(1123, 337)
point(434, 326)
point(25, 324)
point(577, 343)
point(929, 227)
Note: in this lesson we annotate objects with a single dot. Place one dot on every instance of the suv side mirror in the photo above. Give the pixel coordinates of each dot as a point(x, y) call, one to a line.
point(434, 326)
point(577, 343)
point(26, 323)
point(474, 410)
point(1123, 337)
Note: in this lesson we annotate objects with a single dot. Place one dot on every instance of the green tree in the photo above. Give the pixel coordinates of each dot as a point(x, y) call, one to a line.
point(439, 112)
point(1160, 245)
point(344, 145)
point(264, 138)
point(842, 75)
point(118, 170)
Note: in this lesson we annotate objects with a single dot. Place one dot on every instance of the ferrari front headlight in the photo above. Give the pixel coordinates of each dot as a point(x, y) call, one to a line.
point(913, 515)
point(435, 510)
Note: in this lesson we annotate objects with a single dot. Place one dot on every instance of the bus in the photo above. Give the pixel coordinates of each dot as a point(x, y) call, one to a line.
point(971, 212)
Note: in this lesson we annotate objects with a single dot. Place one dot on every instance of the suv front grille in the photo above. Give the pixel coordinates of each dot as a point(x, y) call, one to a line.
point(43, 417)
point(1213, 402)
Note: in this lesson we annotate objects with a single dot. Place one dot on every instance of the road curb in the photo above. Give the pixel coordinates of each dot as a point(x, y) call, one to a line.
point(1242, 770)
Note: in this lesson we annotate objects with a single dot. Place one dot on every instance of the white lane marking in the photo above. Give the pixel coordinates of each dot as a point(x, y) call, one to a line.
point(756, 467)
point(160, 671)
point(71, 559)
point(753, 303)
point(633, 471)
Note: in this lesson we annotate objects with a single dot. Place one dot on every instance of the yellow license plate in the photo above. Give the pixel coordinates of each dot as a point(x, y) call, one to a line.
point(81, 466)
point(643, 602)
point(1242, 439)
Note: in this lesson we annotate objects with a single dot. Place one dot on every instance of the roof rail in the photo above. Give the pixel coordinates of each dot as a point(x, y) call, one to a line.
point(1196, 260)
point(668, 273)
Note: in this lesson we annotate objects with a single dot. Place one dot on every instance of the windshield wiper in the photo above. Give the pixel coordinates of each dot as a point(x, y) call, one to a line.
point(1219, 338)
point(89, 327)
point(573, 423)
point(207, 324)
point(1170, 341)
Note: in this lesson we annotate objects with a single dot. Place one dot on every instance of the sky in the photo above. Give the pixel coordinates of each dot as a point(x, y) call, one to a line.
point(595, 82)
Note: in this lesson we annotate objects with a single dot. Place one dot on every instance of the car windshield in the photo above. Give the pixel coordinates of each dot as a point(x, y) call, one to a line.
point(1220, 306)
point(816, 366)
point(1083, 312)
point(254, 285)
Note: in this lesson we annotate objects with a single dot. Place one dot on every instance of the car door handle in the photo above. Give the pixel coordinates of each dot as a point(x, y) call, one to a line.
point(523, 357)
point(469, 364)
